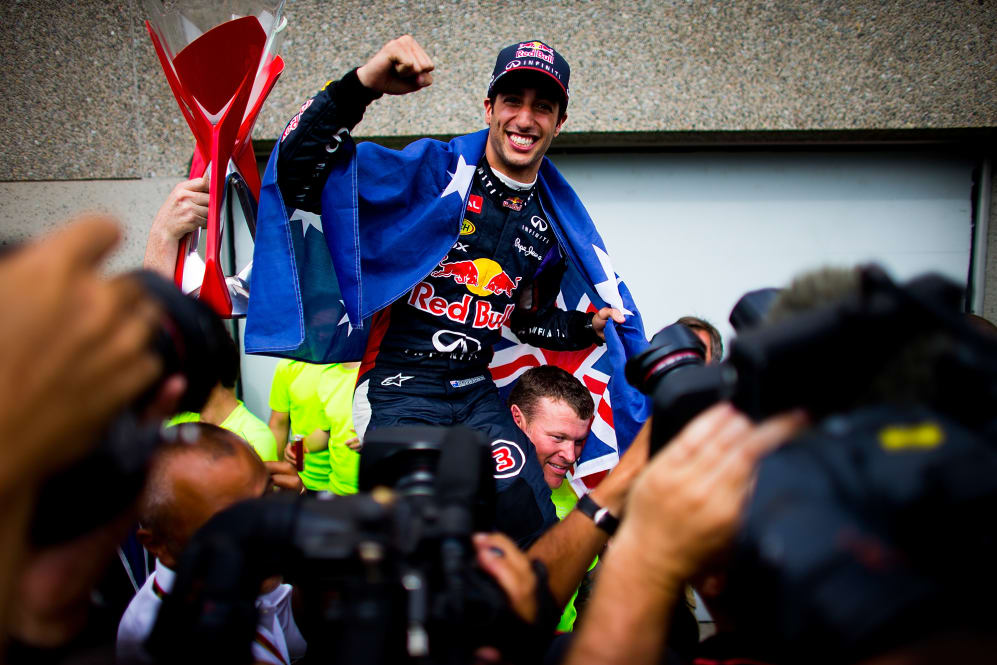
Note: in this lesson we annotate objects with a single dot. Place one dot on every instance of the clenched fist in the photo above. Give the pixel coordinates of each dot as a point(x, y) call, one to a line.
point(400, 67)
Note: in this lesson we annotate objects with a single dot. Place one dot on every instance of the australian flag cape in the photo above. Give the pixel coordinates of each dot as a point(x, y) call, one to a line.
point(388, 218)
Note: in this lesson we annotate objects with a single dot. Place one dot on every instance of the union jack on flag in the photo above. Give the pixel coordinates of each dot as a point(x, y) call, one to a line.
point(594, 367)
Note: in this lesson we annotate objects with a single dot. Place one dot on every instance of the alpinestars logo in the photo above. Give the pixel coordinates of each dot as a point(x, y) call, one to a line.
point(395, 380)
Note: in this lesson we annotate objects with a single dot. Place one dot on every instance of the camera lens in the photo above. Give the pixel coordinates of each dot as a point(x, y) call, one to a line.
point(672, 347)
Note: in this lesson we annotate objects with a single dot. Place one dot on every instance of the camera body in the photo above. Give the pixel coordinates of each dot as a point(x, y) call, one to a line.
point(386, 576)
point(864, 533)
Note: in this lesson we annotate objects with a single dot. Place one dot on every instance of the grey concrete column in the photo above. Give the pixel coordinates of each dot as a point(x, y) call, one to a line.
point(990, 283)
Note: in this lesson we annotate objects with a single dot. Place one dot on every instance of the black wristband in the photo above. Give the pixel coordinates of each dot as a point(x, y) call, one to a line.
point(601, 516)
point(353, 87)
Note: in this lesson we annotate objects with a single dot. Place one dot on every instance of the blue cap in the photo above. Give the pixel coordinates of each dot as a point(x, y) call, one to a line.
point(532, 56)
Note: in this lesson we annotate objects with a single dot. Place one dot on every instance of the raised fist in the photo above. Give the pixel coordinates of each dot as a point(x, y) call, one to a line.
point(400, 67)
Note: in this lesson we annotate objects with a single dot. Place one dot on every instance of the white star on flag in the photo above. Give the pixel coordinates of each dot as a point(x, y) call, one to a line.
point(460, 179)
point(308, 220)
point(346, 320)
point(607, 289)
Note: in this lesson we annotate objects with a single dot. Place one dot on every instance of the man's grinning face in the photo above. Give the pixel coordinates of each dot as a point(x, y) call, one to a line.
point(521, 125)
point(558, 435)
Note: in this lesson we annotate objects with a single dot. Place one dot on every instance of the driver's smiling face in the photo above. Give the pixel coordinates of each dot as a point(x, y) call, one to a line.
point(522, 122)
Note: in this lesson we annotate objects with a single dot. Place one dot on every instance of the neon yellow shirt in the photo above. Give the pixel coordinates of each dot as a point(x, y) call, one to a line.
point(242, 422)
point(295, 391)
point(336, 392)
point(564, 499)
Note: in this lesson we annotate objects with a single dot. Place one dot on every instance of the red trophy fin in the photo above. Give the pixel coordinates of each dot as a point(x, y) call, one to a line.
point(213, 66)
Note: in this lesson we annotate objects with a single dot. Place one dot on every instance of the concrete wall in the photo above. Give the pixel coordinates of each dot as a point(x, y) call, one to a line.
point(30, 208)
point(84, 98)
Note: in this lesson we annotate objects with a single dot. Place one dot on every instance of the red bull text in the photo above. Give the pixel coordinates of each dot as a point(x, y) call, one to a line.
point(424, 298)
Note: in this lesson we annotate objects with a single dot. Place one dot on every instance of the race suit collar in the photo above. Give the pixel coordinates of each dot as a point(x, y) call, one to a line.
point(498, 191)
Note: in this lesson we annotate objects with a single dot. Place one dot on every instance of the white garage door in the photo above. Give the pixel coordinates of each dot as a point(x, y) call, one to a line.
point(691, 232)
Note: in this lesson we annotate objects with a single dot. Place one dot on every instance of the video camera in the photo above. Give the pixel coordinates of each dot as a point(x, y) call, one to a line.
point(386, 576)
point(823, 360)
point(189, 340)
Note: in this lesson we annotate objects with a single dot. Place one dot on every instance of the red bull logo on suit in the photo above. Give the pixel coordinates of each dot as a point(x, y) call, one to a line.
point(502, 284)
point(463, 272)
point(482, 277)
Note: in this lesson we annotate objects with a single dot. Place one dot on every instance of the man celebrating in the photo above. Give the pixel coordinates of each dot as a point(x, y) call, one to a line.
point(433, 249)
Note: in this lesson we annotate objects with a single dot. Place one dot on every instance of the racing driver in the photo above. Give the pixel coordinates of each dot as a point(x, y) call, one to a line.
point(427, 356)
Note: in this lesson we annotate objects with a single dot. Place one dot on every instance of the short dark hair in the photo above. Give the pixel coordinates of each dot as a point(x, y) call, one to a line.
point(555, 383)
point(716, 340)
point(813, 289)
point(909, 369)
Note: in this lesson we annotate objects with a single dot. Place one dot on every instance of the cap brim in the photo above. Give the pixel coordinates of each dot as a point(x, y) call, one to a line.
point(532, 72)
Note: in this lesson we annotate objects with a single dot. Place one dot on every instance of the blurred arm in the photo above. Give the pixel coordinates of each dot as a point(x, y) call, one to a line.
point(684, 509)
point(74, 351)
point(280, 425)
point(284, 476)
point(317, 440)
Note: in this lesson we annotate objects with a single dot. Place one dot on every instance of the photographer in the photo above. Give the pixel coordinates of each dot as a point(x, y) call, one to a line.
point(398, 572)
point(74, 351)
point(708, 335)
point(200, 470)
point(226, 410)
point(839, 547)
